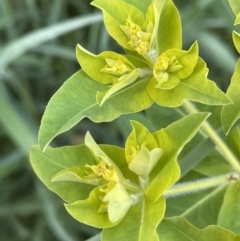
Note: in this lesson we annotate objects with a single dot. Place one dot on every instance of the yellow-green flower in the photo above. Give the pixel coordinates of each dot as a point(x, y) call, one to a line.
point(116, 201)
point(105, 168)
point(139, 39)
point(142, 161)
point(102, 170)
point(173, 66)
point(165, 70)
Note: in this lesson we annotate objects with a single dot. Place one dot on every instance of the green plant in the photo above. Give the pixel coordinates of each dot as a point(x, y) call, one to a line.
point(133, 193)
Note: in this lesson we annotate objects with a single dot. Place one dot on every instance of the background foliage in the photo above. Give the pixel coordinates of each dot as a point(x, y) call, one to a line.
point(37, 54)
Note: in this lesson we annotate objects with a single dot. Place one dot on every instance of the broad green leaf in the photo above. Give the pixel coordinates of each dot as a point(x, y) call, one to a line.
point(231, 113)
point(171, 140)
point(76, 99)
point(230, 211)
point(195, 87)
point(86, 211)
point(178, 229)
point(139, 224)
point(52, 161)
point(169, 32)
point(235, 6)
point(204, 210)
point(115, 14)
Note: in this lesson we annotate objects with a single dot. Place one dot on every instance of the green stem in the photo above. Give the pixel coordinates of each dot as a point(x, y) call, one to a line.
point(199, 185)
point(222, 147)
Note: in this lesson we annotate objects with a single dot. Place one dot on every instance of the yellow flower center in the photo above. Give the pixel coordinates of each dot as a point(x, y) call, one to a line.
point(116, 67)
point(165, 65)
point(138, 39)
point(102, 170)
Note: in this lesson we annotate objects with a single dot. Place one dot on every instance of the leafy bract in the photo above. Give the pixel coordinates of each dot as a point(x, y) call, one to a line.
point(173, 66)
point(168, 30)
point(142, 150)
point(171, 140)
point(231, 113)
point(195, 87)
point(178, 229)
point(115, 14)
point(101, 209)
point(93, 64)
point(86, 211)
point(76, 99)
point(52, 161)
point(230, 211)
point(139, 224)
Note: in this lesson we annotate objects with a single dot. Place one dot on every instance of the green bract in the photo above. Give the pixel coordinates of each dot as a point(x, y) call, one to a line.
point(196, 87)
point(142, 150)
point(174, 65)
point(109, 68)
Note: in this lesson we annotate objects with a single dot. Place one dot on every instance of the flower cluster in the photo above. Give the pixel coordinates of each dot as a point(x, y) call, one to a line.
point(152, 56)
point(116, 194)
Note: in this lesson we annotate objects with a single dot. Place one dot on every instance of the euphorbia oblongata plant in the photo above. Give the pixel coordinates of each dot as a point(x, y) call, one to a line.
point(177, 182)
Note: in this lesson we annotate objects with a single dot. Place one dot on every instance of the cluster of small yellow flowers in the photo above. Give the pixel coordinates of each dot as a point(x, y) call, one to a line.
point(165, 65)
point(138, 39)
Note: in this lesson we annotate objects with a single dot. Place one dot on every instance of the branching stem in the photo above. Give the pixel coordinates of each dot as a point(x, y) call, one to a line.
point(199, 185)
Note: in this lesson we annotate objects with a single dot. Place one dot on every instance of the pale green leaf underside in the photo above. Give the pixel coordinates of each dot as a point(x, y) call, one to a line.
point(76, 99)
point(231, 113)
point(139, 224)
point(178, 229)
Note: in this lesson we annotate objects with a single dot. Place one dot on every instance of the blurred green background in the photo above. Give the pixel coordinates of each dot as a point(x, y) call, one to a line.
point(37, 54)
